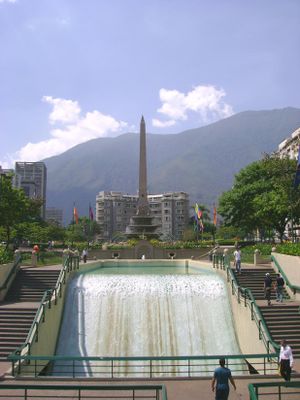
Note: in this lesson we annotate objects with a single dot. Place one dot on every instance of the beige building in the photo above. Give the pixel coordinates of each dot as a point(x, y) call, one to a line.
point(289, 147)
point(114, 209)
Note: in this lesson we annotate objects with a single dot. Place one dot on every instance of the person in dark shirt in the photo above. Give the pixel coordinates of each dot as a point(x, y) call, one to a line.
point(268, 287)
point(279, 288)
point(220, 380)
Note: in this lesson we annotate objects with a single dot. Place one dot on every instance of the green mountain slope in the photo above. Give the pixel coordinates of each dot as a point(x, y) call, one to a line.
point(200, 161)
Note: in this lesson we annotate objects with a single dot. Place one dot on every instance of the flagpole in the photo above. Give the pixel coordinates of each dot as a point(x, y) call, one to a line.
point(73, 223)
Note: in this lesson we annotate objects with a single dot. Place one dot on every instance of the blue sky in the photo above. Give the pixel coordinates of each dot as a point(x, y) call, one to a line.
point(74, 70)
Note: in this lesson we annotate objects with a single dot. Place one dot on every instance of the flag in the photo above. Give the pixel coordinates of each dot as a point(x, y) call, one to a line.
point(91, 214)
point(215, 216)
point(201, 225)
point(75, 214)
point(297, 176)
point(196, 209)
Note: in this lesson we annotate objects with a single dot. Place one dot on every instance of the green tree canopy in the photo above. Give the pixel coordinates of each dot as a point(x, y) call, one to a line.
point(15, 207)
point(85, 230)
point(263, 197)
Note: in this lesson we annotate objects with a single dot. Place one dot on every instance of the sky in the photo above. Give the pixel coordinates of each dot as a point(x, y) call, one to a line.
point(75, 70)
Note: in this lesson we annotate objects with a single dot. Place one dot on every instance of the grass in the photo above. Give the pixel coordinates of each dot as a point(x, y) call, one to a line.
point(47, 258)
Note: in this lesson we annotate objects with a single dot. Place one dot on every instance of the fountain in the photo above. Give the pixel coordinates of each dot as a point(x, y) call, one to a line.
point(147, 311)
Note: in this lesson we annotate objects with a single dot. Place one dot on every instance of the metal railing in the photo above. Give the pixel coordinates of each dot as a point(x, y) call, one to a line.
point(50, 297)
point(245, 296)
point(274, 390)
point(82, 392)
point(294, 288)
point(113, 367)
point(140, 367)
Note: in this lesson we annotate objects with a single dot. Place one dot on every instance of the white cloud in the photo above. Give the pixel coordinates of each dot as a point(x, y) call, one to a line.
point(74, 128)
point(8, 1)
point(63, 110)
point(207, 101)
point(162, 124)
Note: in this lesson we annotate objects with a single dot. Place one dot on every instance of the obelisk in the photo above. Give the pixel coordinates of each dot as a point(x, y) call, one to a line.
point(143, 205)
point(142, 224)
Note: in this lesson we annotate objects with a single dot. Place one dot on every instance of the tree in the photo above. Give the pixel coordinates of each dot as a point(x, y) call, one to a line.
point(263, 197)
point(15, 207)
point(85, 230)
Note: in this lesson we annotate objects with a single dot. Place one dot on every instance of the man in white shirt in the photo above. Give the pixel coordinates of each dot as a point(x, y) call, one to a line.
point(286, 360)
point(237, 260)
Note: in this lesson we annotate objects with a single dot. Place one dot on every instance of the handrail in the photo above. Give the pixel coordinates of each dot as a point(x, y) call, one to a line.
point(17, 355)
point(253, 389)
point(294, 288)
point(150, 367)
point(140, 358)
point(249, 301)
point(206, 254)
point(84, 388)
point(253, 307)
point(47, 297)
point(16, 262)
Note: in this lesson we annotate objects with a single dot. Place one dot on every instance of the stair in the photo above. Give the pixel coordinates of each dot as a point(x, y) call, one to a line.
point(253, 279)
point(14, 327)
point(16, 320)
point(30, 285)
point(282, 320)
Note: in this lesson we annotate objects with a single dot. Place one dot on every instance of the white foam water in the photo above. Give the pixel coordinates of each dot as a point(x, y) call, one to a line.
point(147, 314)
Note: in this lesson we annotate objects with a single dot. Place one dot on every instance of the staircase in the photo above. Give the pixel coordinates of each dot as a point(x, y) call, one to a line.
point(16, 319)
point(283, 322)
point(253, 279)
point(30, 285)
point(282, 319)
point(14, 327)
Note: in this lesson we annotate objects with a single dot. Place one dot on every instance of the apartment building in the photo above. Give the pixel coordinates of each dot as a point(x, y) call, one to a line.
point(114, 209)
point(289, 147)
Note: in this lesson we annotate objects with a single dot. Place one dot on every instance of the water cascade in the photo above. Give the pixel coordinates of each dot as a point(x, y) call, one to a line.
point(147, 312)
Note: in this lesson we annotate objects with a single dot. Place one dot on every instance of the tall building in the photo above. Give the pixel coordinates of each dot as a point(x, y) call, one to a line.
point(32, 178)
point(54, 215)
point(170, 212)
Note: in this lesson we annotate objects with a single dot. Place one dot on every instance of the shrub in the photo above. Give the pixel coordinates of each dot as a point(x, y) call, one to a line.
point(292, 249)
point(6, 256)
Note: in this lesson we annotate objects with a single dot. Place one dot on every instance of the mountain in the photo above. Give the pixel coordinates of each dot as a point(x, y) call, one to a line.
point(200, 161)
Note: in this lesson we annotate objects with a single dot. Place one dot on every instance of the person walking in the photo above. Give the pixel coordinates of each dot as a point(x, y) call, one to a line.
point(237, 260)
point(219, 383)
point(84, 255)
point(286, 360)
point(279, 288)
point(268, 287)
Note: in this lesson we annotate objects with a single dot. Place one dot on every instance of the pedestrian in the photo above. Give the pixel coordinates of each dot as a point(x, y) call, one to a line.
point(84, 255)
point(279, 288)
point(237, 260)
point(219, 383)
point(286, 360)
point(268, 287)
